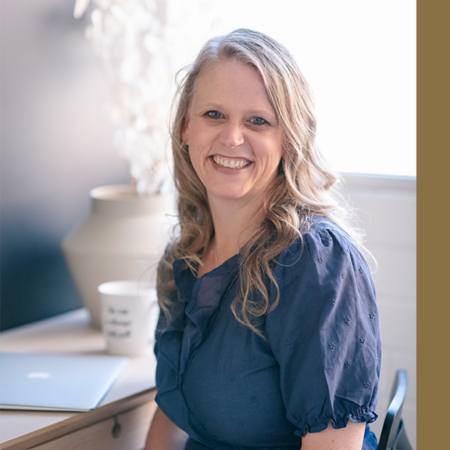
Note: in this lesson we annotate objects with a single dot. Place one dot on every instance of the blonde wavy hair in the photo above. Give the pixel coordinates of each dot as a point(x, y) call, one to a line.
point(304, 186)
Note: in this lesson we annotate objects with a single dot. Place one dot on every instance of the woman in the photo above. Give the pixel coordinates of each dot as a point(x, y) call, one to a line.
point(268, 336)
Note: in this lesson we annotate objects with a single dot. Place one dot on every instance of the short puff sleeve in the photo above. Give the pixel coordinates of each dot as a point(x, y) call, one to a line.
point(324, 332)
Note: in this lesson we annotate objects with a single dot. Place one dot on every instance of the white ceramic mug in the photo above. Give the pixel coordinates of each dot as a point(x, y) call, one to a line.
point(129, 315)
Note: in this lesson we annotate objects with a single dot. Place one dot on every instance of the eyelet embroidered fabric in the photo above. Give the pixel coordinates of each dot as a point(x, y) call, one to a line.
point(228, 388)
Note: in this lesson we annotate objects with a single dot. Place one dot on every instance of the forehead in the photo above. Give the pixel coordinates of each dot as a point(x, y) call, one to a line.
point(231, 81)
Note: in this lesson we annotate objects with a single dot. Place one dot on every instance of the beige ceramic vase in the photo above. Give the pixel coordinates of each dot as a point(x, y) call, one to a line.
point(122, 239)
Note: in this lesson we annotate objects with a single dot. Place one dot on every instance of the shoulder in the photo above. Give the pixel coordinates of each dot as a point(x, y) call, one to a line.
point(323, 250)
point(322, 273)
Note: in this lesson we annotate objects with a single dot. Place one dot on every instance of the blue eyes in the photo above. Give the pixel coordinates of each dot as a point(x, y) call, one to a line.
point(253, 120)
point(214, 114)
point(259, 121)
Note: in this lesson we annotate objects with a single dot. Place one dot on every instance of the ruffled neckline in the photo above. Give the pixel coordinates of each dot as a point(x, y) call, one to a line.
point(200, 300)
point(202, 295)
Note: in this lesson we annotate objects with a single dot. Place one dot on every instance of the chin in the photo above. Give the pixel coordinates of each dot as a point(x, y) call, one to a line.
point(230, 195)
point(233, 195)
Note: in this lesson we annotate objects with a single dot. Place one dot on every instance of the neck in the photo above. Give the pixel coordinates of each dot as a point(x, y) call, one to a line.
point(234, 222)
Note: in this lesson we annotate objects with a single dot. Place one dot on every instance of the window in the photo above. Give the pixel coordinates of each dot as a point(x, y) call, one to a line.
point(359, 58)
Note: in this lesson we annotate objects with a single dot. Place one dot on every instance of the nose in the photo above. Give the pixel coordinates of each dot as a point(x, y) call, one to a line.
point(232, 135)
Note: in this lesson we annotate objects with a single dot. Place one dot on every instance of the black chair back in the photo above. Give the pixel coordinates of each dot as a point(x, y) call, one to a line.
point(393, 435)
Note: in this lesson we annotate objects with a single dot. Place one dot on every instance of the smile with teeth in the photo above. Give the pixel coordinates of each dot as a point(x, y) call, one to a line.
point(230, 163)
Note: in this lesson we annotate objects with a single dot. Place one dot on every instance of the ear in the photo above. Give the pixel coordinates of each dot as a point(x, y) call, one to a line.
point(185, 131)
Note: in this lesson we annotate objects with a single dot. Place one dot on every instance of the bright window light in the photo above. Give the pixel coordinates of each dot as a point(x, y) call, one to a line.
point(359, 58)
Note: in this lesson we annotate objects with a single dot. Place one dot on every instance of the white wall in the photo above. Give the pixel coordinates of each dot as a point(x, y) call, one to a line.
point(387, 210)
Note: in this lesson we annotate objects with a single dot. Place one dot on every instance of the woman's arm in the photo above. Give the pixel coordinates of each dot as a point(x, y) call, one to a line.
point(348, 438)
point(164, 434)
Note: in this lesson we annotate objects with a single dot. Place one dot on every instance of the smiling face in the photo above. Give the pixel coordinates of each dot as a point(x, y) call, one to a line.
point(234, 138)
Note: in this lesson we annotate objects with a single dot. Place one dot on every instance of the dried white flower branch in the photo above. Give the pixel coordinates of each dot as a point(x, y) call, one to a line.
point(142, 44)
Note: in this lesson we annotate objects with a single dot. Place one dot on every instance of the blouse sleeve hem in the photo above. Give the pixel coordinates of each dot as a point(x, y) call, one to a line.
point(359, 415)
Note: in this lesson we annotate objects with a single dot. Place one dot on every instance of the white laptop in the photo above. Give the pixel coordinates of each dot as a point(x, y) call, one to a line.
point(55, 382)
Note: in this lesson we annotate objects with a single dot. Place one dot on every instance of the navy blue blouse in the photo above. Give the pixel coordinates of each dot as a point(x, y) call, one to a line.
point(228, 388)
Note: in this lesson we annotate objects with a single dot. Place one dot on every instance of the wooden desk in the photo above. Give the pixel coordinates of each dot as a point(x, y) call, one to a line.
point(122, 419)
